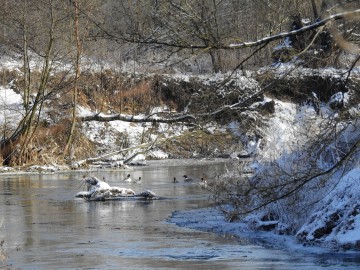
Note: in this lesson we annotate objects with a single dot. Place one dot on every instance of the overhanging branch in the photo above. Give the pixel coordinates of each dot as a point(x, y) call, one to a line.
point(185, 45)
point(304, 29)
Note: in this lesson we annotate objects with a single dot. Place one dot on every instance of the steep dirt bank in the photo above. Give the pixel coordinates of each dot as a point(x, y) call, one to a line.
point(218, 101)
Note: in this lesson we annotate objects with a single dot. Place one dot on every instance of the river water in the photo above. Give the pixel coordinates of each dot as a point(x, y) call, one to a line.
point(44, 227)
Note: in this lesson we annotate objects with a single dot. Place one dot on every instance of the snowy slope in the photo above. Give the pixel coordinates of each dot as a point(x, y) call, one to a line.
point(336, 222)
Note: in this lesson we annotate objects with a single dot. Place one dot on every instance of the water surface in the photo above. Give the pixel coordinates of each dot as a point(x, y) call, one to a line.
point(44, 227)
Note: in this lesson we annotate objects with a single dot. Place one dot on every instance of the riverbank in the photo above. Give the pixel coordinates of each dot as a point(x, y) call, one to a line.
point(332, 226)
point(211, 220)
point(51, 169)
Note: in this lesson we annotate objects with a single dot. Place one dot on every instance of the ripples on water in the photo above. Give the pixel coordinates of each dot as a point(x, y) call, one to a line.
point(44, 227)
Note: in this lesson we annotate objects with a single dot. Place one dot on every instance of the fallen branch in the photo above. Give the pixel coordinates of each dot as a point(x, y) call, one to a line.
point(94, 159)
point(137, 119)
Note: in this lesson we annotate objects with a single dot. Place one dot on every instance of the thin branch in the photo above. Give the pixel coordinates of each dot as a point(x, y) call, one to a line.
point(351, 68)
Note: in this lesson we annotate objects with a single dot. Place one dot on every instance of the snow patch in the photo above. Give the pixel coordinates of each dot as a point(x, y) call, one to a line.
point(337, 219)
point(11, 108)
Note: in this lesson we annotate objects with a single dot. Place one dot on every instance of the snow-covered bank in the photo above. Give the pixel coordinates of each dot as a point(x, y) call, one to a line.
point(326, 212)
point(323, 211)
point(334, 225)
point(213, 221)
point(336, 222)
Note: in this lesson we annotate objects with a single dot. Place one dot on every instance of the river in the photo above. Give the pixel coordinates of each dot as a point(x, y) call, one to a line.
point(43, 226)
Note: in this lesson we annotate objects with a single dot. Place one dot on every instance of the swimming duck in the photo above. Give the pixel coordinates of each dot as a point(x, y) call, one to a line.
point(128, 178)
point(187, 179)
point(203, 183)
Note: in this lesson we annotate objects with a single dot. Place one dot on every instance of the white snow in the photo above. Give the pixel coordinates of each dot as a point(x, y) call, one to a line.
point(286, 135)
point(157, 154)
point(11, 108)
point(100, 190)
point(339, 212)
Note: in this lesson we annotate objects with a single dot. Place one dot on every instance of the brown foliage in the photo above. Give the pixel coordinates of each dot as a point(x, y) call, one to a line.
point(136, 99)
point(46, 146)
point(198, 144)
point(51, 140)
point(108, 91)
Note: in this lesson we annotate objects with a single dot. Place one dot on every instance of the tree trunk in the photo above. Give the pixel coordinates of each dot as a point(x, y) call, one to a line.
point(70, 140)
point(215, 60)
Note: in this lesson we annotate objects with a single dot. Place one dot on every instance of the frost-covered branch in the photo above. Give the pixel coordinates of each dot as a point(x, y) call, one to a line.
point(291, 180)
point(137, 119)
point(297, 184)
point(304, 29)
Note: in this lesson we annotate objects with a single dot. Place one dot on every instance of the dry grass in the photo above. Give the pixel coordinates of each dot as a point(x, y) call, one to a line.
point(6, 76)
point(47, 146)
point(136, 99)
point(52, 141)
point(110, 92)
point(200, 143)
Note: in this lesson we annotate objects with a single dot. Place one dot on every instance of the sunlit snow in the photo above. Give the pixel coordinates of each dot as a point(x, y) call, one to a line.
point(10, 107)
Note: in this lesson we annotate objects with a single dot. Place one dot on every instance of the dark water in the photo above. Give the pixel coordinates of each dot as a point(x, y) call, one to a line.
point(44, 227)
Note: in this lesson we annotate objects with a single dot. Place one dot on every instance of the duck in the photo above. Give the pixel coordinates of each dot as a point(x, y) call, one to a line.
point(128, 178)
point(175, 181)
point(203, 183)
point(139, 180)
point(187, 179)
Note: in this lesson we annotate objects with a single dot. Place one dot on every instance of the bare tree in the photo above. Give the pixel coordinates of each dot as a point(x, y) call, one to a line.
point(27, 126)
point(39, 51)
